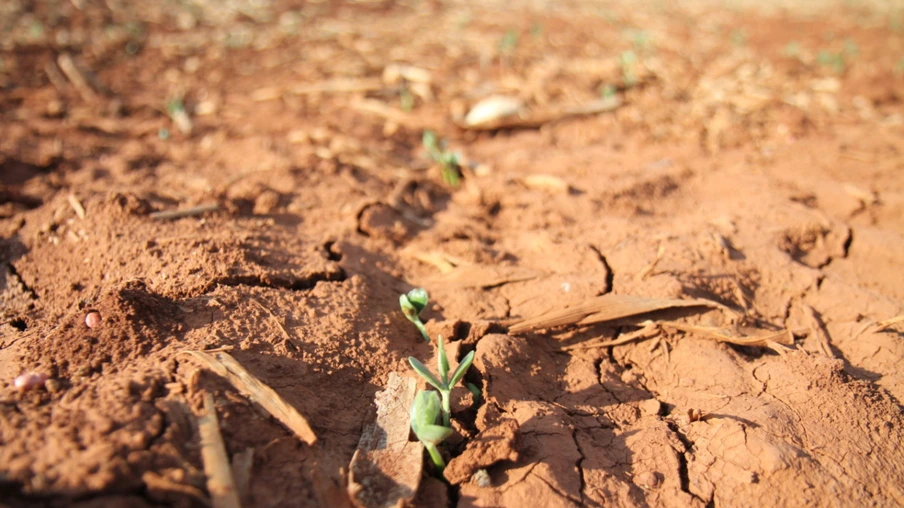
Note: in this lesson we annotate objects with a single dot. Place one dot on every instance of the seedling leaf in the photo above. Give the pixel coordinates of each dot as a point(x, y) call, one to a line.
point(433, 434)
point(424, 412)
point(425, 373)
point(408, 308)
point(462, 368)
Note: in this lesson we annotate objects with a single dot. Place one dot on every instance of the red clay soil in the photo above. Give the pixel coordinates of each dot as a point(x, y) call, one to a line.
point(755, 161)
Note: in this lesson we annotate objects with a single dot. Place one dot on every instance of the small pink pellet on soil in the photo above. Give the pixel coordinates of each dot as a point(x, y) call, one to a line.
point(92, 320)
point(29, 380)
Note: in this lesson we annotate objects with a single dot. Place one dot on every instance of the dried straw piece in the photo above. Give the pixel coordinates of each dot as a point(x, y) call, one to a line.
point(243, 381)
point(78, 80)
point(649, 331)
point(888, 323)
point(76, 206)
point(220, 486)
point(185, 212)
point(783, 337)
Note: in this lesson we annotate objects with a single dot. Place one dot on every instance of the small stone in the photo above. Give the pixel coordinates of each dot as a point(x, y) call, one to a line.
point(53, 386)
point(647, 480)
point(93, 319)
point(694, 415)
point(482, 478)
point(266, 202)
point(650, 407)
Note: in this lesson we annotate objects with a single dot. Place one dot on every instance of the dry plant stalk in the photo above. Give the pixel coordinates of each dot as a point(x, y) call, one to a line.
point(220, 486)
point(76, 206)
point(783, 337)
point(888, 323)
point(185, 212)
point(227, 367)
point(78, 80)
point(649, 330)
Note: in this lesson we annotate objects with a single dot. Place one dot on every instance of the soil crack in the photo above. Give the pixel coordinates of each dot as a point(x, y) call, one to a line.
point(610, 275)
point(294, 284)
point(683, 473)
point(578, 464)
point(18, 278)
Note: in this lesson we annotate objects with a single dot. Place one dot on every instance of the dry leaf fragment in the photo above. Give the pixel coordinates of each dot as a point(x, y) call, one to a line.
point(386, 468)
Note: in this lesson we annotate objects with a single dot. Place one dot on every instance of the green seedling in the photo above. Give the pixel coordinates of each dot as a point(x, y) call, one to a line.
point(412, 305)
point(447, 160)
point(424, 414)
point(176, 110)
point(833, 60)
point(444, 383)
point(509, 42)
point(608, 91)
point(628, 61)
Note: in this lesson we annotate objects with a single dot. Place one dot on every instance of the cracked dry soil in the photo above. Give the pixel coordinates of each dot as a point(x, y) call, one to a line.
point(755, 162)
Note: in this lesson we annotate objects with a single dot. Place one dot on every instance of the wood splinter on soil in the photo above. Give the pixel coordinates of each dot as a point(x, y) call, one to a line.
point(227, 367)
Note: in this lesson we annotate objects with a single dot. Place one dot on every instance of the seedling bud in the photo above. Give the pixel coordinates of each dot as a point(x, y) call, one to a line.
point(417, 297)
point(412, 305)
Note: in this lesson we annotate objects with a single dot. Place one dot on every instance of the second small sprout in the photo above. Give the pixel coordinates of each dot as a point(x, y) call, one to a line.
point(412, 305)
